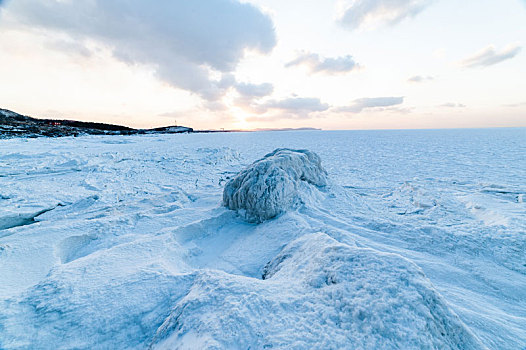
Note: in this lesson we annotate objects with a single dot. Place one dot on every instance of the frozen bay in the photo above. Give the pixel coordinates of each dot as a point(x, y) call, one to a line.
point(104, 239)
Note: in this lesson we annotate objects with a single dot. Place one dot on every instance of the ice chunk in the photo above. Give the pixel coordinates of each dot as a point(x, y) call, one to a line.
point(274, 183)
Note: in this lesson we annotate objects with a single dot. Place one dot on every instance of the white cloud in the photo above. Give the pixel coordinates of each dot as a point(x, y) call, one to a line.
point(452, 105)
point(490, 56)
point(514, 105)
point(297, 104)
point(288, 108)
point(330, 65)
point(360, 104)
point(183, 40)
point(247, 91)
point(254, 90)
point(358, 13)
point(420, 79)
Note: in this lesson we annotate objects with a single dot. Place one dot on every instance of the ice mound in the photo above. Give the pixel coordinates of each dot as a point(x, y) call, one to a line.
point(101, 301)
point(274, 183)
point(316, 293)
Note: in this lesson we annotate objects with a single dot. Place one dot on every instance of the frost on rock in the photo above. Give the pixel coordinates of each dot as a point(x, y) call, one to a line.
point(275, 183)
point(317, 293)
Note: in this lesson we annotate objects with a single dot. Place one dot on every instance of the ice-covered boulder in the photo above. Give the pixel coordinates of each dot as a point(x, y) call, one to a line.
point(275, 183)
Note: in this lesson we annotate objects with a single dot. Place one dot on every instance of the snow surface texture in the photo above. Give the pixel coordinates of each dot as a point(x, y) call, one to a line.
point(416, 241)
point(366, 300)
point(274, 184)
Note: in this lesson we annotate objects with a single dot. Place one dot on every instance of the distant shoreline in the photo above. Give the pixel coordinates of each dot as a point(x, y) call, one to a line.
point(13, 124)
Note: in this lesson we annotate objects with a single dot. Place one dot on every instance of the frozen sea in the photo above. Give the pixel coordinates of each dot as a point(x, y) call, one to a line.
point(418, 241)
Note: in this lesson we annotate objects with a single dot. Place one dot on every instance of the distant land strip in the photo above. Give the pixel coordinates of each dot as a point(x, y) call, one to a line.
point(13, 124)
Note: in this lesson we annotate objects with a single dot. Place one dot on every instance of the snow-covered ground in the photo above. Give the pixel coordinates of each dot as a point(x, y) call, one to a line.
point(416, 240)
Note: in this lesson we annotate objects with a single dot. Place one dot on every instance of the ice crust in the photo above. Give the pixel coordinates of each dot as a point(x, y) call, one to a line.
point(317, 292)
point(121, 243)
point(277, 182)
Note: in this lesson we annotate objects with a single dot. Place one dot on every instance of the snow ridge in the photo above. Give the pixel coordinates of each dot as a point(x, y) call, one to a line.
point(316, 291)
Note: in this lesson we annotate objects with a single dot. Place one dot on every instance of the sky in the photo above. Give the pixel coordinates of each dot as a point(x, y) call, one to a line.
point(213, 64)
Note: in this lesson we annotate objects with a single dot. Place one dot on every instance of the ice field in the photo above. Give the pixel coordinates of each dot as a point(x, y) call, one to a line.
point(398, 239)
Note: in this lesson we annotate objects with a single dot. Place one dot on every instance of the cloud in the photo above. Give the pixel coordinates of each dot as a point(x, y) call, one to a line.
point(452, 105)
point(254, 90)
point(490, 56)
point(514, 105)
point(215, 106)
point(297, 104)
point(358, 13)
point(360, 104)
point(246, 90)
point(420, 79)
point(317, 64)
point(70, 47)
point(291, 108)
point(185, 41)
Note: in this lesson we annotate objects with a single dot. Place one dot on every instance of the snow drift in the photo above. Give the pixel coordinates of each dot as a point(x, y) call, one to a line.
point(274, 184)
point(316, 293)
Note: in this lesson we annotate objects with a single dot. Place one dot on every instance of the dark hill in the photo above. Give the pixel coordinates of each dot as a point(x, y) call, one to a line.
point(13, 124)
